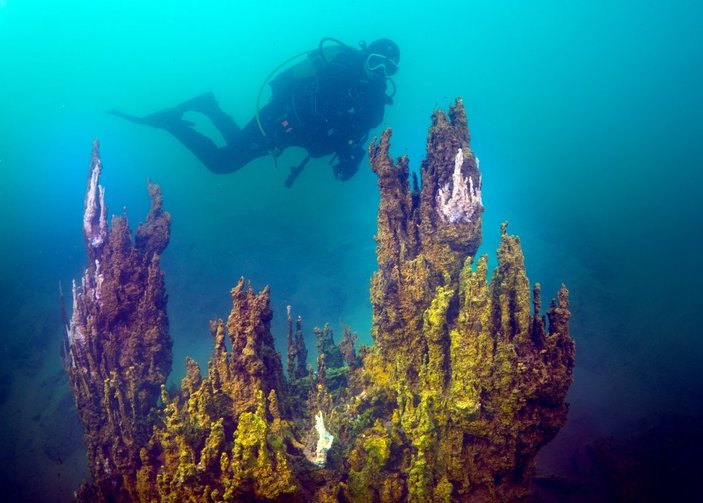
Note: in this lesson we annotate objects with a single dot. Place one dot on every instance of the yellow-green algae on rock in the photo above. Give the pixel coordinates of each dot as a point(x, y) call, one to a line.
point(465, 381)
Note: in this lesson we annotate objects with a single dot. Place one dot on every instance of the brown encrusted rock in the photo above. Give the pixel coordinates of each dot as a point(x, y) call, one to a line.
point(419, 247)
point(223, 438)
point(254, 362)
point(475, 382)
point(117, 351)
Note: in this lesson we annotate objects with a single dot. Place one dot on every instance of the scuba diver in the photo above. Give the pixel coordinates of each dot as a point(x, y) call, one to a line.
point(327, 104)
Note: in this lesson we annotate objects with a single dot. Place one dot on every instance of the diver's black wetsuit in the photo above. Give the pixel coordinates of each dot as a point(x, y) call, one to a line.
point(327, 104)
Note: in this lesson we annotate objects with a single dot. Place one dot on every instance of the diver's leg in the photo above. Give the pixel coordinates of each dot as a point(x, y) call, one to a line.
point(204, 103)
point(243, 145)
point(268, 134)
point(214, 158)
point(240, 150)
point(207, 105)
point(162, 119)
point(248, 145)
point(170, 119)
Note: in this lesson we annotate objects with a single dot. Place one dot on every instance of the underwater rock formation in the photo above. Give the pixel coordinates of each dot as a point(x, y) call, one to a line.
point(117, 350)
point(465, 382)
point(463, 368)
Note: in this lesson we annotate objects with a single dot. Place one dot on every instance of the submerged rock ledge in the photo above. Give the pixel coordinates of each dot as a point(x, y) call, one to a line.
point(466, 379)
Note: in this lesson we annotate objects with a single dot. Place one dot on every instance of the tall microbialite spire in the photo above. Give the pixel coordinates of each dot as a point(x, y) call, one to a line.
point(118, 351)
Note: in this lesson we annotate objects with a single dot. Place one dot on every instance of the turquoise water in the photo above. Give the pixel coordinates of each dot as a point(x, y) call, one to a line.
point(586, 115)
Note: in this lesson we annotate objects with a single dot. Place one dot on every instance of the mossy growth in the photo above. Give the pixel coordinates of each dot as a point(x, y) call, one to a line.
point(368, 461)
point(327, 347)
point(258, 466)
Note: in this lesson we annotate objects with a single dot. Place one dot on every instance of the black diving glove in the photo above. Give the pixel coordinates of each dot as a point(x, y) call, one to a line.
point(346, 167)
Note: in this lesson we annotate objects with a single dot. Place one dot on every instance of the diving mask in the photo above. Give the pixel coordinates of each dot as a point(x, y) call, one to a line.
point(378, 64)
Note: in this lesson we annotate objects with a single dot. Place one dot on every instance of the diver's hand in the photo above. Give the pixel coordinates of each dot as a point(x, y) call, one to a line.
point(344, 169)
point(345, 164)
